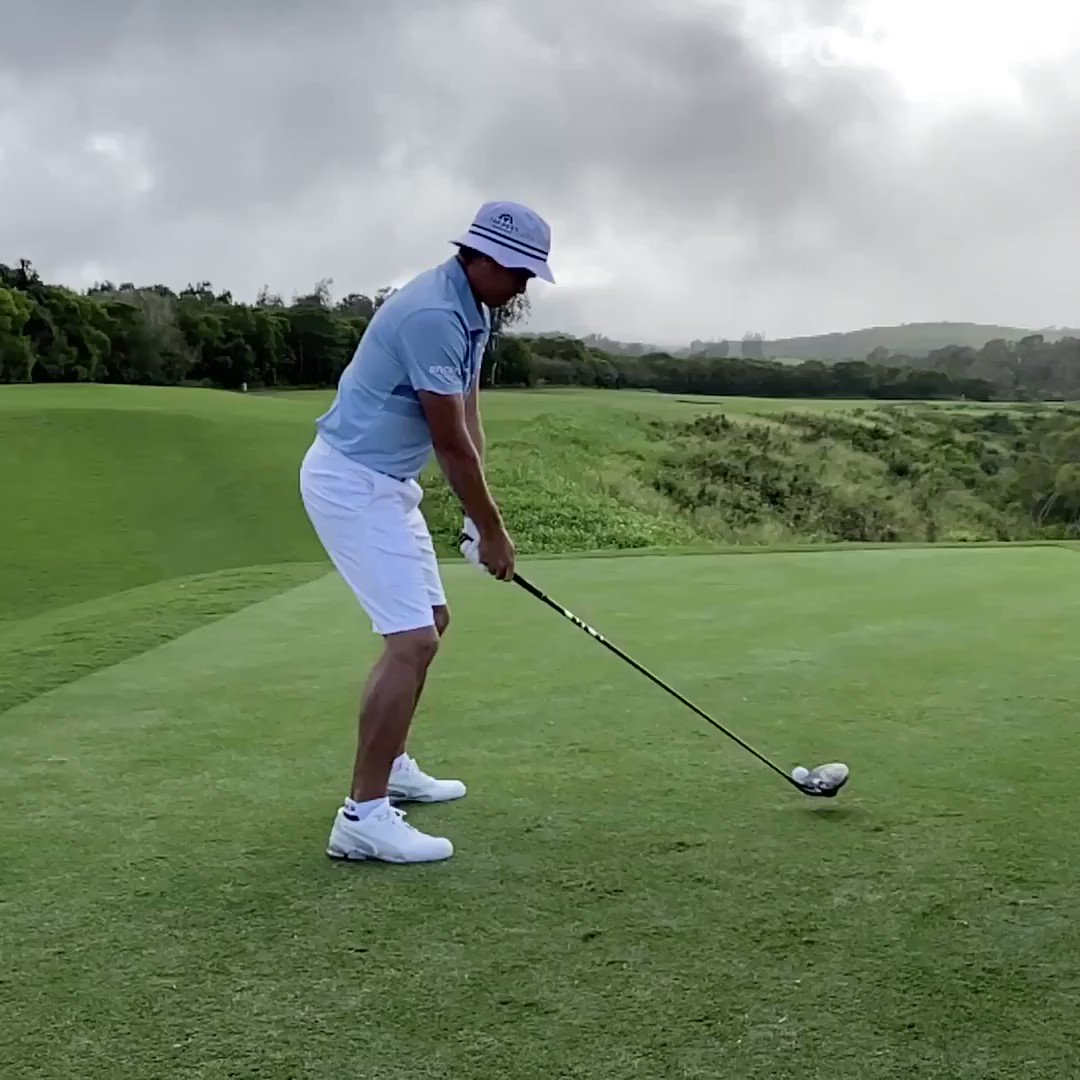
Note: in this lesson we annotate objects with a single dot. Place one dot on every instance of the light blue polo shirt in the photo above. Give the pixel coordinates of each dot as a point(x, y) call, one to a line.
point(429, 335)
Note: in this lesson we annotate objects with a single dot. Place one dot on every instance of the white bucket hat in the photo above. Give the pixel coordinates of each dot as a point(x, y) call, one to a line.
point(513, 235)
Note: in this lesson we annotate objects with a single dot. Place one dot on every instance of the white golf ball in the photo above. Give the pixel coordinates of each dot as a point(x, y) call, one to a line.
point(799, 774)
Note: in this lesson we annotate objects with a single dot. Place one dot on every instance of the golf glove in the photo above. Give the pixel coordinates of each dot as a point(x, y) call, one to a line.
point(469, 544)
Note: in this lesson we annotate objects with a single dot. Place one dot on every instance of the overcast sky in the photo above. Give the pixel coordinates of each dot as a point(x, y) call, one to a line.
point(708, 167)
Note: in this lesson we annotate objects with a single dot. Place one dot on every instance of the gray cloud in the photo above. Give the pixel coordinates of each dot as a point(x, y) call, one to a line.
point(697, 185)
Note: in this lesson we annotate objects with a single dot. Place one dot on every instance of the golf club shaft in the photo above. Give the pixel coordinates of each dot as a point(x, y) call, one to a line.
point(596, 635)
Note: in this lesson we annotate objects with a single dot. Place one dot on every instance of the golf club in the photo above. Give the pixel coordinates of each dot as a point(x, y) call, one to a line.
point(824, 781)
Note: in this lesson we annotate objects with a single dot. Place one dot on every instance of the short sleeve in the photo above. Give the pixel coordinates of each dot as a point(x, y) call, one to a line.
point(434, 350)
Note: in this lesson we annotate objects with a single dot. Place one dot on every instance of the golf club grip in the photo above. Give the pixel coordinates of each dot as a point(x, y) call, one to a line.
point(582, 625)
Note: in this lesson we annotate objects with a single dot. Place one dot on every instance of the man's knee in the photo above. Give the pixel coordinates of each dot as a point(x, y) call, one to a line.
point(442, 619)
point(417, 648)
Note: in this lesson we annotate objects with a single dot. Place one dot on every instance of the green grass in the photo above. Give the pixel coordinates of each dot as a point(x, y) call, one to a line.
point(632, 895)
point(123, 494)
point(513, 406)
point(61, 645)
point(122, 487)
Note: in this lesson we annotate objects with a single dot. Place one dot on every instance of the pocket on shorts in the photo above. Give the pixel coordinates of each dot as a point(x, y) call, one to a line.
point(329, 477)
point(409, 492)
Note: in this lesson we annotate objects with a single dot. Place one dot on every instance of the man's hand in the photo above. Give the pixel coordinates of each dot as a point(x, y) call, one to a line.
point(464, 472)
point(493, 551)
point(497, 554)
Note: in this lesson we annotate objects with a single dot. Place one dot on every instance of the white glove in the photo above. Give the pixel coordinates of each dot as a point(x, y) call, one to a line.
point(469, 544)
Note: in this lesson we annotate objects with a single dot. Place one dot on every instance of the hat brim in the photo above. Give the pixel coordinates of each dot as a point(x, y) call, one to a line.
point(504, 256)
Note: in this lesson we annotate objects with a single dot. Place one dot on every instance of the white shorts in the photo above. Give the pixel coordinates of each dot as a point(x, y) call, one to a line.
point(375, 535)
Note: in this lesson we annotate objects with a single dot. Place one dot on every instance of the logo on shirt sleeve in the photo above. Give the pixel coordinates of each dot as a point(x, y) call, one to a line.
point(443, 372)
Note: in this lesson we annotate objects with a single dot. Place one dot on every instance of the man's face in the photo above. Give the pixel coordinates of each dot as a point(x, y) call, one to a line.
point(497, 285)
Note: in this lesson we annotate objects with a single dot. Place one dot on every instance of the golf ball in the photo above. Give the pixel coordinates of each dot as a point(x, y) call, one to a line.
point(799, 774)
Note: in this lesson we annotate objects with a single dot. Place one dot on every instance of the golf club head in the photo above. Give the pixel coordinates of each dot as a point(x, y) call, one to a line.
point(824, 782)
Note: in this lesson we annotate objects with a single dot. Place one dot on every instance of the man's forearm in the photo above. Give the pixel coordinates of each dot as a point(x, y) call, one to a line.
point(476, 431)
point(464, 473)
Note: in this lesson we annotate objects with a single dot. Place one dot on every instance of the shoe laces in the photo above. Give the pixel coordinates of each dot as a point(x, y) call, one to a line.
point(396, 816)
point(409, 766)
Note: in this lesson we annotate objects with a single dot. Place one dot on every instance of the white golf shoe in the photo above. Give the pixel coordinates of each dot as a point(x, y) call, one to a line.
point(409, 783)
point(384, 835)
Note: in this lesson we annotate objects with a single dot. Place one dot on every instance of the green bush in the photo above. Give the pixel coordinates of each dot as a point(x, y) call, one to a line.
point(885, 476)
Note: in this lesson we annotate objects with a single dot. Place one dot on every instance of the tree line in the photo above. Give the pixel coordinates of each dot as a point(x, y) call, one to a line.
point(153, 335)
point(123, 333)
point(530, 361)
point(1031, 369)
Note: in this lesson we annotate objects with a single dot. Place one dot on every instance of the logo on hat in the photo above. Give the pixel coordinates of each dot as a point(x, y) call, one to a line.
point(504, 221)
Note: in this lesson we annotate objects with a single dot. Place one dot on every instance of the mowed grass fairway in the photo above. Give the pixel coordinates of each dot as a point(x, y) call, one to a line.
point(632, 894)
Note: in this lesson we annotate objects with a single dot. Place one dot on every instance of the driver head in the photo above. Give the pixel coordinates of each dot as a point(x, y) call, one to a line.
point(824, 781)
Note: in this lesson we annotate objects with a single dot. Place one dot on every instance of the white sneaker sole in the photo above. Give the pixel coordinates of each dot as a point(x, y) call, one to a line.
point(349, 856)
point(340, 854)
point(346, 856)
point(400, 796)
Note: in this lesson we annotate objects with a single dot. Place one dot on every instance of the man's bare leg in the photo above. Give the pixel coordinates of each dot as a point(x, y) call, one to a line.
point(387, 707)
point(442, 621)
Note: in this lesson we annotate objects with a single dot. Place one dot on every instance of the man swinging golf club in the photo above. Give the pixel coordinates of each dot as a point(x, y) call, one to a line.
point(410, 391)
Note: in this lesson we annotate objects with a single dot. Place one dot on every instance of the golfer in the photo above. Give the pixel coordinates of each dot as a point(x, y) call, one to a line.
point(410, 391)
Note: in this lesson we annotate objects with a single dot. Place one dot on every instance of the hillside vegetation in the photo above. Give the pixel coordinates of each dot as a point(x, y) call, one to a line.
point(877, 476)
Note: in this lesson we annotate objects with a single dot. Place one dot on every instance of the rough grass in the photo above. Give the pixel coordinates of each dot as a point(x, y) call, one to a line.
point(885, 475)
point(632, 895)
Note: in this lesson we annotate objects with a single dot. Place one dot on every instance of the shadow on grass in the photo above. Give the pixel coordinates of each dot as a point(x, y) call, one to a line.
point(834, 813)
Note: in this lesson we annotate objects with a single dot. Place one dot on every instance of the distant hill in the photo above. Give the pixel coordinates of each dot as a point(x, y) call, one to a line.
point(911, 339)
